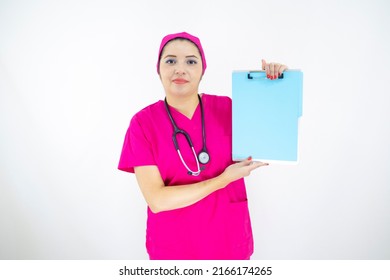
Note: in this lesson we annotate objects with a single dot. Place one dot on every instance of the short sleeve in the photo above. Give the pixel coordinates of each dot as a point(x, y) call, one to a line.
point(137, 149)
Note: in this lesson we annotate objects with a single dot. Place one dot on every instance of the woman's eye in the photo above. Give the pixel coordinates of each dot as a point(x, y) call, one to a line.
point(191, 61)
point(170, 61)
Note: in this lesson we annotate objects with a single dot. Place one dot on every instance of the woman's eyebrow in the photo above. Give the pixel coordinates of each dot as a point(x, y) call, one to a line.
point(192, 56)
point(171, 55)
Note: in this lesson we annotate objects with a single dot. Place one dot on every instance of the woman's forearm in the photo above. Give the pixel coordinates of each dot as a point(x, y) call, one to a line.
point(163, 198)
point(174, 197)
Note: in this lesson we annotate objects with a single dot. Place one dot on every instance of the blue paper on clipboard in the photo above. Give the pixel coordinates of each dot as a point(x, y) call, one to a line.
point(266, 116)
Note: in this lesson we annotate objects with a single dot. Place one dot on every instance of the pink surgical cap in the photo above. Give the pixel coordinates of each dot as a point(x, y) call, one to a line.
point(183, 35)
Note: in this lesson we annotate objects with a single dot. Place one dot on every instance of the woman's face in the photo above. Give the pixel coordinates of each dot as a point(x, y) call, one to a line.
point(180, 68)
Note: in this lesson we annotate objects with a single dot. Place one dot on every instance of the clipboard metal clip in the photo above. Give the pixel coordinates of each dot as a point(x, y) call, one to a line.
point(251, 77)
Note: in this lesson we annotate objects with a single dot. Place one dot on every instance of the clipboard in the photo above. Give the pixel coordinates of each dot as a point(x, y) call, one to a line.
point(266, 116)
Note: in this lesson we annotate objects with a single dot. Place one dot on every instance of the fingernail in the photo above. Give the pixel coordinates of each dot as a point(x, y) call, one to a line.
point(250, 158)
point(268, 76)
point(275, 77)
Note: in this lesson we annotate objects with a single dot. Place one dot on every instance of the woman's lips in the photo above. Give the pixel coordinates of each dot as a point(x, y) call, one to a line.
point(180, 81)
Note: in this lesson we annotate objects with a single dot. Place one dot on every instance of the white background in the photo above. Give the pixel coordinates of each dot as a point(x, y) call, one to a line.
point(72, 73)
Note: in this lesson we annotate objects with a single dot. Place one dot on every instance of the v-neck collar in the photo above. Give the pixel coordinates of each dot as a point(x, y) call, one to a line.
point(178, 115)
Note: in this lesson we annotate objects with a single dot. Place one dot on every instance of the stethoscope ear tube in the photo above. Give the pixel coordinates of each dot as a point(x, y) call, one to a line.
point(175, 141)
point(180, 131)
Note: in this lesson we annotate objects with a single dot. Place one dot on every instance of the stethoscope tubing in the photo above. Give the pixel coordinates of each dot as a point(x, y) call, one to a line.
point(205, 156)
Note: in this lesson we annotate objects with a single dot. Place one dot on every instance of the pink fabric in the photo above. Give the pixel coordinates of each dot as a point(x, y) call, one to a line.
point(218, 226)
point(187, 36)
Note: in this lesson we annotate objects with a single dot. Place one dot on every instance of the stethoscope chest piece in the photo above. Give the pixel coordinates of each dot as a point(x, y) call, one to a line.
point(203, 157)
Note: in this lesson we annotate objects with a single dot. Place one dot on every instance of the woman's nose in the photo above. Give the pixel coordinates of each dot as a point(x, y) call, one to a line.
point(180, 70)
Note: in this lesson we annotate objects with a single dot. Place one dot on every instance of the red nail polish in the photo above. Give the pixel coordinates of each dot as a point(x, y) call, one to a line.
point(275, 77)
point(250, 158)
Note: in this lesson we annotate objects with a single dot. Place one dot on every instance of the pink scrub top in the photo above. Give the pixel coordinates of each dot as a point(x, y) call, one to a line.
point(216, 227)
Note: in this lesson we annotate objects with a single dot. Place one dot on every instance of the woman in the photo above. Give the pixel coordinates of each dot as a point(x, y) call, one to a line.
point(197, 203)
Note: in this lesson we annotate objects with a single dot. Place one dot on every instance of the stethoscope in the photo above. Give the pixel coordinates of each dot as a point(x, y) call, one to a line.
point(203, 156)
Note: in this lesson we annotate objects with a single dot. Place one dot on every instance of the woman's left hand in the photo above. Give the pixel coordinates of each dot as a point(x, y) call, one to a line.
point(273, 70)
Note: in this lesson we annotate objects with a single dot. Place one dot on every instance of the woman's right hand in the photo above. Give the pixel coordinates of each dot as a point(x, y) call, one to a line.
point(241, 169)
